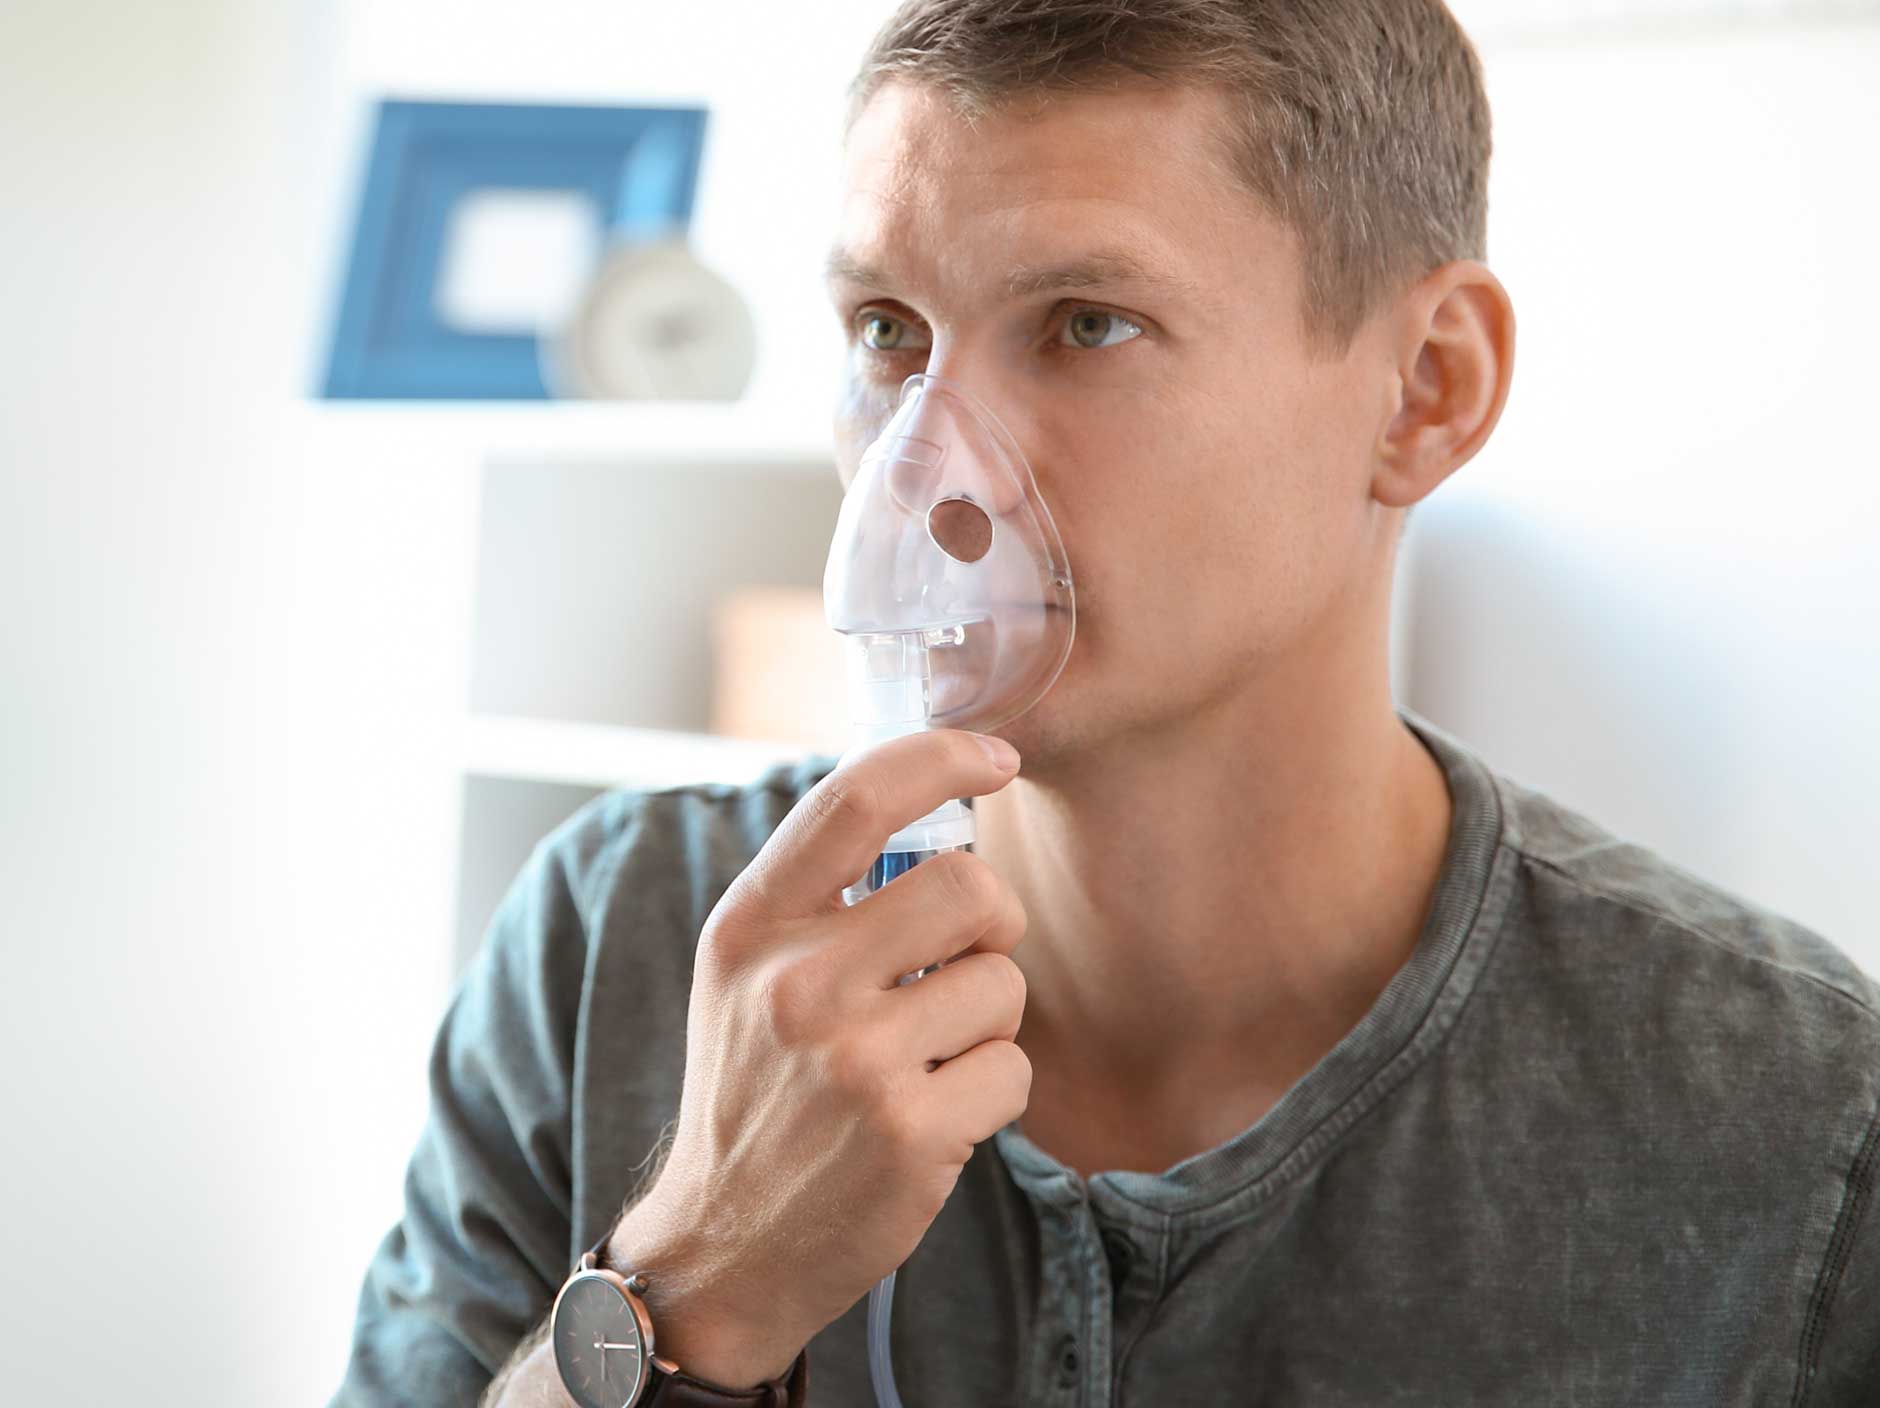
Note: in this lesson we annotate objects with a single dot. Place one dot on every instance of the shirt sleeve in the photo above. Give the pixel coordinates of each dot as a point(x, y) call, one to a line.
point(483, 1244)
point(1841, 1353)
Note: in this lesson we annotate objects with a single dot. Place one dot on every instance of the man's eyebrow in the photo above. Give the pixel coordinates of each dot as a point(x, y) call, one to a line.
point(843, 267)
point(1103, 266)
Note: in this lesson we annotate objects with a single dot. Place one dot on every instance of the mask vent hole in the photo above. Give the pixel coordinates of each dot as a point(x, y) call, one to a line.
point(960, 528)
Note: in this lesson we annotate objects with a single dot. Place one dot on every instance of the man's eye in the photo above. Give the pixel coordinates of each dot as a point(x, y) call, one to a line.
point(1093, 322)
point(887, 334)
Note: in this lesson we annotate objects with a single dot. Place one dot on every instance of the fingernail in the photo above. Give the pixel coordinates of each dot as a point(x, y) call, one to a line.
point(1004, 756)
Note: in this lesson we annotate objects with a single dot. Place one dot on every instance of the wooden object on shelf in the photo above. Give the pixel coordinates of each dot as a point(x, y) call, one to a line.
point(777, 669)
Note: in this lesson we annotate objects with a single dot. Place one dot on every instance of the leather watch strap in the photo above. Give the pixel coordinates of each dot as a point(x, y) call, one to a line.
point(681, 1390)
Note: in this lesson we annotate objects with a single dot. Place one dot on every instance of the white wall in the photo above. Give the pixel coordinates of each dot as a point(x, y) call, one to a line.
point(149, 253)
point(1656, 592)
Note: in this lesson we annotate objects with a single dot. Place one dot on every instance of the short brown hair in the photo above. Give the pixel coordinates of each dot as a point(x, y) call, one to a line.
point(1362, 125)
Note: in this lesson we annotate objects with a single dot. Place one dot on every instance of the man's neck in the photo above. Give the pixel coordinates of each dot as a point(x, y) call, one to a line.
point(1215, 911)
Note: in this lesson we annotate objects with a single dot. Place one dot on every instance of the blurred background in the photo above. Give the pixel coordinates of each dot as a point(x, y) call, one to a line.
point(298, 665)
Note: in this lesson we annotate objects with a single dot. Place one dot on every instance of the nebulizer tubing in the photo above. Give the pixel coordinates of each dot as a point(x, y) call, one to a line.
point(947, 577)
point(948, 828)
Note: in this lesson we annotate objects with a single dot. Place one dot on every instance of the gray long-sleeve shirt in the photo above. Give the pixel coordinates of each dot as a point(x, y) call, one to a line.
point(1607, 1138)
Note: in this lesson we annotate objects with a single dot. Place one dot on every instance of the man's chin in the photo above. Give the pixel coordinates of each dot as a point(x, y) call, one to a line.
point(1045, 734)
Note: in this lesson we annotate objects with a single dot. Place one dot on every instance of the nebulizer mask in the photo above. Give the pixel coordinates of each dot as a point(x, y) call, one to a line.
point(947, 578)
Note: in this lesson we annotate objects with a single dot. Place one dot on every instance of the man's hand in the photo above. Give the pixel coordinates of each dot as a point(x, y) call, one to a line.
point(827, 1111)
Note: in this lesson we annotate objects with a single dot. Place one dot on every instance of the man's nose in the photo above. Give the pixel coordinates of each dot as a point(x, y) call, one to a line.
point(970, 364)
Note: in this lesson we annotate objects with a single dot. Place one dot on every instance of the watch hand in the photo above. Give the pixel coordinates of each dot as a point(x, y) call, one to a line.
point(634, 1347)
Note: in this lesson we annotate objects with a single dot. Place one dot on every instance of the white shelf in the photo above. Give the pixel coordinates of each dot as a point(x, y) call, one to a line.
point(793, 438)
point(597, 755)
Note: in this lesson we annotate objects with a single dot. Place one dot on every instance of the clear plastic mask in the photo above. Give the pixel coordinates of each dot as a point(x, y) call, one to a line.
point(946, 570)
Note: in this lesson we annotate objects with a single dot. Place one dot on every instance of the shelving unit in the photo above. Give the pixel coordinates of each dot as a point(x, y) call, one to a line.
point(792, 438)
point(600, 756)
point(599, 539)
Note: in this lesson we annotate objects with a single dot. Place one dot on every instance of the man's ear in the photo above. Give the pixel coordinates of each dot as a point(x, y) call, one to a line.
point(1455, 359)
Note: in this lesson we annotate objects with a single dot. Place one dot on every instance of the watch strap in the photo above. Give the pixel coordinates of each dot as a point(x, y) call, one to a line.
point(681, 1390)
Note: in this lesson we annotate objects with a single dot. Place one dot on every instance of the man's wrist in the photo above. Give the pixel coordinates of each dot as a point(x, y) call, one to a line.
point(697, 1322)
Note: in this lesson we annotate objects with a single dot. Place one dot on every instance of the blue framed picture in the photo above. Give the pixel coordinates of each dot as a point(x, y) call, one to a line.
point(477, 226)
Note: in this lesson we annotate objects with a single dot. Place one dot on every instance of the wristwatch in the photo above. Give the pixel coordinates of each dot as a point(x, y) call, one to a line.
point(604, 1350)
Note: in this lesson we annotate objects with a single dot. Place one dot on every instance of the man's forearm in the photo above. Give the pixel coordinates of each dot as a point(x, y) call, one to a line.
point(529, 1378)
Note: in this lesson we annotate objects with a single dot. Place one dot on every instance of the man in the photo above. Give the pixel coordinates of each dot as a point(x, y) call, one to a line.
point(1290, 1055)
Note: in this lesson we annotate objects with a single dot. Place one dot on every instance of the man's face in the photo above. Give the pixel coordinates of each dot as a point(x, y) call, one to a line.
point(1209, 479)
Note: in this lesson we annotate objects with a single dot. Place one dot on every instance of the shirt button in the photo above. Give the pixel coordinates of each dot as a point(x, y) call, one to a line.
point(1121, 1254)
point(1067, 1361)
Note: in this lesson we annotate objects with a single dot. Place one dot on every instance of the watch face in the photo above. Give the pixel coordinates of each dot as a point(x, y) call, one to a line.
point(597, 1344)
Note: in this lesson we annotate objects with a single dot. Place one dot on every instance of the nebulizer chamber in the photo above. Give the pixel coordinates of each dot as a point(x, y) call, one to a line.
point(948, 579)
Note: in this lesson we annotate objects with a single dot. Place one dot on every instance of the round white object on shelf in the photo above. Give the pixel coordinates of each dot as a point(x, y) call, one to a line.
point(653, 324)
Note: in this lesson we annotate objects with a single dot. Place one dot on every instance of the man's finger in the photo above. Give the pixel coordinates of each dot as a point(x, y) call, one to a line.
point(837, 828)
